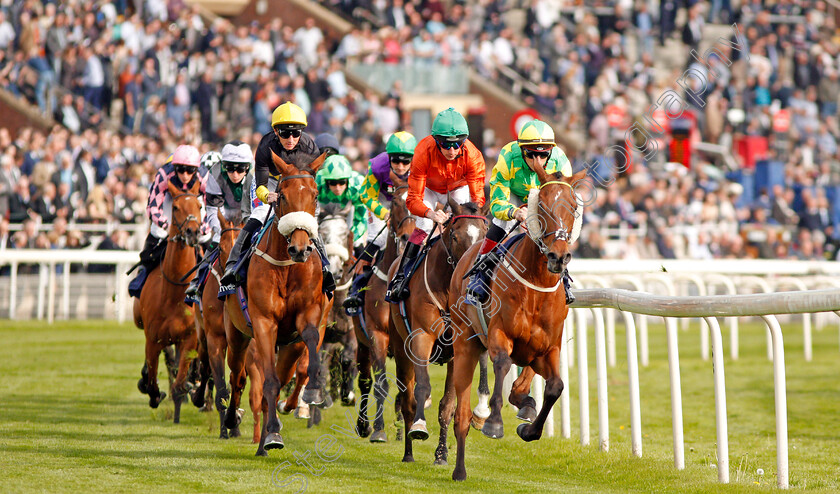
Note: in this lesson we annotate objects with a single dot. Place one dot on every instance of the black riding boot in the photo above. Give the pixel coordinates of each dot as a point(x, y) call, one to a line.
point(398, 289)
point(191, 293)
point(478, 288)
point(353, 299)
point(243, 242)
point(328, 284)
point(567, 285)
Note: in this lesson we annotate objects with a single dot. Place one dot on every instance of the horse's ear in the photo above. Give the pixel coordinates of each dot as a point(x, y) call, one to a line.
point(456, 208)
point(196, 187)
point(284, 168)
point(541, 174)
point(317, 163)
point(222, 220)
point(485, 209)
point(577, 177)
point(173, 189)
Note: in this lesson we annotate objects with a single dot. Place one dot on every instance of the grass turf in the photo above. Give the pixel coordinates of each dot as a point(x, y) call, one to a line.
point(74, 421)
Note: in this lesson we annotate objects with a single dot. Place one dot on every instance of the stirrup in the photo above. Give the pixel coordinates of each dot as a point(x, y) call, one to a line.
point(477, 293)
point(328, 283)
point(352, 301)
point(229, 278)
point(396, 290)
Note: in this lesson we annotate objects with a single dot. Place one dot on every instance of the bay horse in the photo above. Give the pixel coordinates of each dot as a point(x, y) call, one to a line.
point(524, 316)
point(287, 306)
point(212, 340)
point(372, 326)
point(425, 340)
point(160, 311)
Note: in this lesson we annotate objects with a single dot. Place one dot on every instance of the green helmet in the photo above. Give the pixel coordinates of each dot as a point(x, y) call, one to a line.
point(451, 125)
point(401, 143)
point(336, 167)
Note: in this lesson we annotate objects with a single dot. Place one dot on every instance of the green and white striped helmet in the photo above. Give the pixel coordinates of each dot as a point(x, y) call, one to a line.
point(336, 167)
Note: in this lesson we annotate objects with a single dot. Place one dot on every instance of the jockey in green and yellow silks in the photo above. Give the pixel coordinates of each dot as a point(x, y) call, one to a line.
point(510, 181)
point(339, 184)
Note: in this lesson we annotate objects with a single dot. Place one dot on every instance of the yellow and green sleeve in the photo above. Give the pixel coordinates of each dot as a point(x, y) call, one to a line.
point(370, 197)
point(500, 178)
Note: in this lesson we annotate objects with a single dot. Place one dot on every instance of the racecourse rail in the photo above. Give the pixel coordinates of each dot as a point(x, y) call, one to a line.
point(674, 278)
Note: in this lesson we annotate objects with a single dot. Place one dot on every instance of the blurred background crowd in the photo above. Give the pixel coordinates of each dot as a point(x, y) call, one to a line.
point(165, 75)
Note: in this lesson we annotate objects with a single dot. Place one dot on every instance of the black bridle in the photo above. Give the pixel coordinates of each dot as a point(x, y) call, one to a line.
point(450, 258)
point(180, 236)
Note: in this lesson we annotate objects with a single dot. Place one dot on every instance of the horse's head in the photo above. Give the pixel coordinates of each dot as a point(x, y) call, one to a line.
point(333, 229)
point(185, 223)
point(555, 215)
point(230, 230)
point(295, 206)
point(401, 223)
point(467, 225)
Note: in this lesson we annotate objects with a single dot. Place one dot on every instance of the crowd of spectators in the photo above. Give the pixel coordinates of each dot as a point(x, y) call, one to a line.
point(166, 76)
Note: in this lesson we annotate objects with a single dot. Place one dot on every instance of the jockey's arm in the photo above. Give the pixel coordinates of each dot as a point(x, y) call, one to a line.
point(214, 200)
point(500, 178)
point(262, 161)
point(370, 197)
point(154, 207)
point(359, 227)
point(476, 175)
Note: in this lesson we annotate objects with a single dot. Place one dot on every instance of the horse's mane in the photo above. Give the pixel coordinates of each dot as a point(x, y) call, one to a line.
point(471, 207)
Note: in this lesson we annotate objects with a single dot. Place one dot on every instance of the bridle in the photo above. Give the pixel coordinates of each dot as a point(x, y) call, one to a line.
point(283, 179)
point(449, 224)
point(395, 229)
point(561, 233)
point(180, 236)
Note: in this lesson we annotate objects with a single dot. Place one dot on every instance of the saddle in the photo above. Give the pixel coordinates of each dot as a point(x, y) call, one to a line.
point(241, 266)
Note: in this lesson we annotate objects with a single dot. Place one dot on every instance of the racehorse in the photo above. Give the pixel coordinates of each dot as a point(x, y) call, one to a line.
point(372, 326)
point(160, 311)
point(287, 306)
point(425, 340)
point(338, 350)
point(212, 341)
point(519, 328)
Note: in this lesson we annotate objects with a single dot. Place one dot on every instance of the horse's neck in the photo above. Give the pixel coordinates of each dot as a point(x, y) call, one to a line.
point(437, 256)
point(390, 253)
point(179, 258)
point(275, 245)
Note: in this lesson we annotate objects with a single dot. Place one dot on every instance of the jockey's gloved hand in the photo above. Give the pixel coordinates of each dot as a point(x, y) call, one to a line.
point(211, 245)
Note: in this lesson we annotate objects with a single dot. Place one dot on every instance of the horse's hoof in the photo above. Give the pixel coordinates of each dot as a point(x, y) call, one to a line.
point(302, 411)
point(312, 396)
point(141, 386)
point(235, 432)
point(154, 402)
point(493, 430)
point(527, 414)
point(363, 431)
point(261, 452)
point(223, 434)
point(274, 441)
point(281, 408)
point(349, 400)
point(197, 399)
point(441, 461)
point(328, 403)
point(477, 422)
point(428, 404)
point(233, 418)
point(522, 431)
point(379, 437)
point(418, 431)
point(408, 459)
point(481, 412)
point(459, 474)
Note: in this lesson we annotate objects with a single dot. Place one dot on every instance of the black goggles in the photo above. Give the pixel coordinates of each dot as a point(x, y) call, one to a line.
point(185, 169)
point(535, 154)
point(450, 144)
point(340, 181)
point(285, 134)
point(400, 158)
point(236, 167)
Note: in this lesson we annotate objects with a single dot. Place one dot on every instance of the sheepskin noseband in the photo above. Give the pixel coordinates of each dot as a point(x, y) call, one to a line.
point(298, 220)
point(535, 230)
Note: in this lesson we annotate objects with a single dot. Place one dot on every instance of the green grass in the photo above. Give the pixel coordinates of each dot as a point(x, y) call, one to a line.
point(73, 421)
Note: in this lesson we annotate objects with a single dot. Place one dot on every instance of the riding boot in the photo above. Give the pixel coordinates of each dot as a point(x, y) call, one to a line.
point(328, 284)
point(147, 263)
point(243, 243)
point(567, 285)
point(363, 273)
point(478, 289)
point(191, 293)
point(398, 288)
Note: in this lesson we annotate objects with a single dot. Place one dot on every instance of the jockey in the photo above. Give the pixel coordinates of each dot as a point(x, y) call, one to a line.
point(227, 189)
point(327, 143)
point(446, 165)
point(339, 184)
point(377, 192)
point(182, 169)
point(511, 180)
point(288, 141)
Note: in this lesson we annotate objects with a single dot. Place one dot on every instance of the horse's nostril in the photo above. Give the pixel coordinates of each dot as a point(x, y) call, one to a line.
point(567, 257)
point(552, 256)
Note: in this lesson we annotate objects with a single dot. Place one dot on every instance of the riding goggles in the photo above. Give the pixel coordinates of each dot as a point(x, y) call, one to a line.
point(340, 181)
point(400, 158)
point(231, 167)
point(528, 153)
point(450, 144)
point(285, 134)
point(186, 169)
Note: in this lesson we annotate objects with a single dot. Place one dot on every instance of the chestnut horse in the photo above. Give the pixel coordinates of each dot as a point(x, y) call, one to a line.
point(524, 316)
point(372, 326)
point(426, 341)
point(160, 311)
point(212, 341)
point(287, 306)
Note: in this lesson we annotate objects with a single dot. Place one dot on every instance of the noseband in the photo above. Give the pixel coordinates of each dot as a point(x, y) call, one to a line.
point(291, 216)
point(562, 233)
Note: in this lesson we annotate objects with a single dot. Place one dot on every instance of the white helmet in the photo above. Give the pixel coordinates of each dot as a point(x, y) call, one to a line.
point(237, 152)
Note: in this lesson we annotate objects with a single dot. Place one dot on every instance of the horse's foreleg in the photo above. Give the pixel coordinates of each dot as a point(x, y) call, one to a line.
point(299, 371)
point(216, 349)
point(186, 351)
point(421, 348)
point(255, 396)
point(365, 383)
point(265, 335)
point(520, 396)
point(312, 393)
point(548, 366)
point(153, 350)
point(347, 360)
point(482, 410)
point(493, 426)
point(237, 344)
point(405, 376)
point(203, 360)
point(463, 366)
point(446, 409)
point(380, 388)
